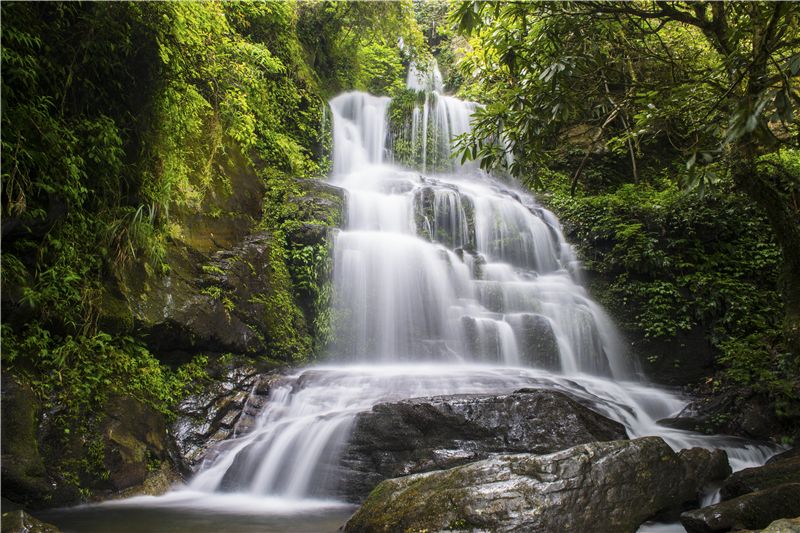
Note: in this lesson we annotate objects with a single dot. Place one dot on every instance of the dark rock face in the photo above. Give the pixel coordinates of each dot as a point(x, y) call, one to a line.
point(216, 296)
point(750, 511)
point(211, 416)
point(213, 307)
point(130, 438)
point(762, 477)
point(23, 469)
point(600, 486)
point(134, 435)
point(752, 498)
point(395, 439)
point(732, 412)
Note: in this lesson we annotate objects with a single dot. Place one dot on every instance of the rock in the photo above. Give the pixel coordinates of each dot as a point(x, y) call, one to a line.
point(761, 477)
point(791, 453)
point(135, 439)
point(751, 511)
point(229, 295)
point(537, 342)
point(785, 525)
point(600, 486)
point(21, 522)
point(227, 405)
point(210, 303)
point(732, 412)
point(23, 470)
point(395, 439)
point(319, 207)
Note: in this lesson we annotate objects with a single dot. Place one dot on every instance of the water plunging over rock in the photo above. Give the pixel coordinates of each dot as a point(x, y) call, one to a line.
point(446, 285)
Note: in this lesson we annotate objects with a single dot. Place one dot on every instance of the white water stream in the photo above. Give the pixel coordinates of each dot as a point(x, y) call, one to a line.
point(447, 283)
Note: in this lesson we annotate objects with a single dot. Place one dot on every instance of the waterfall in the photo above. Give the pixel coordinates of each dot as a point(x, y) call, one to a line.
point(447, 282)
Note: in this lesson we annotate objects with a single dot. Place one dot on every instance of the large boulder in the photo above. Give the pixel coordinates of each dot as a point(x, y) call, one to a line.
point(412, 436)
point(44, 464)
point(600, 486)
point(233, 294)
point(751, 511)
point(211, 303)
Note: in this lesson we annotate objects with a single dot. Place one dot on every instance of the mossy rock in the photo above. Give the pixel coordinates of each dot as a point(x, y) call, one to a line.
point(23, 469)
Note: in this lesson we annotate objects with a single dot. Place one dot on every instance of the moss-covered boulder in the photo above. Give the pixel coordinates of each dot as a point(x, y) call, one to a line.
point(23, 469)
point(601, 486)
point(136, 447)
point(784, 525)
point(123, 449)
point(412, 436)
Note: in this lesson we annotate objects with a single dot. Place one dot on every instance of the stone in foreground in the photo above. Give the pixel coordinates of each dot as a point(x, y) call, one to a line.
point(599, 487)
point(414, 436)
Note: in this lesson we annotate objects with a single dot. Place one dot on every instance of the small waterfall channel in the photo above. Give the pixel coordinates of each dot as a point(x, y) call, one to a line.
point(446, 282)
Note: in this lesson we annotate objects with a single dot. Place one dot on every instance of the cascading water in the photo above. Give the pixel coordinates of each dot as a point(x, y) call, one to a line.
point(446, 282)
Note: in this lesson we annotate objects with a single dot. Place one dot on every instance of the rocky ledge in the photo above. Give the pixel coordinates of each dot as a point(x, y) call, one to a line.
point(420, 435)
point(607, 487)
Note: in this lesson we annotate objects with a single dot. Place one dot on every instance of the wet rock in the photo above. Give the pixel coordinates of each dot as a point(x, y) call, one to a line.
point(537, 342)
point(210, 304)
point(21, 522)
point(733, 412)
point(395, 439)
point(761, 477)
point(217, 297)
point(600, 486)
point(791, 453)
point(23, 470)
point(228, 405)
point(135, 438)
point(750, 511)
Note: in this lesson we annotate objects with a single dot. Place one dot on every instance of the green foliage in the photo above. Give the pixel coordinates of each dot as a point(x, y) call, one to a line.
point(311, 267)
point(349, 43)
point(675, 261)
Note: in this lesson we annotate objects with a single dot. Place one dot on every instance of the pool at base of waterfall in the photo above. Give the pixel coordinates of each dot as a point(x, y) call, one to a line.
point(183, 511)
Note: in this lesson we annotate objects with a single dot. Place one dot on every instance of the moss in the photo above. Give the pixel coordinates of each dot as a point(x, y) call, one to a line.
point(437, 499)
